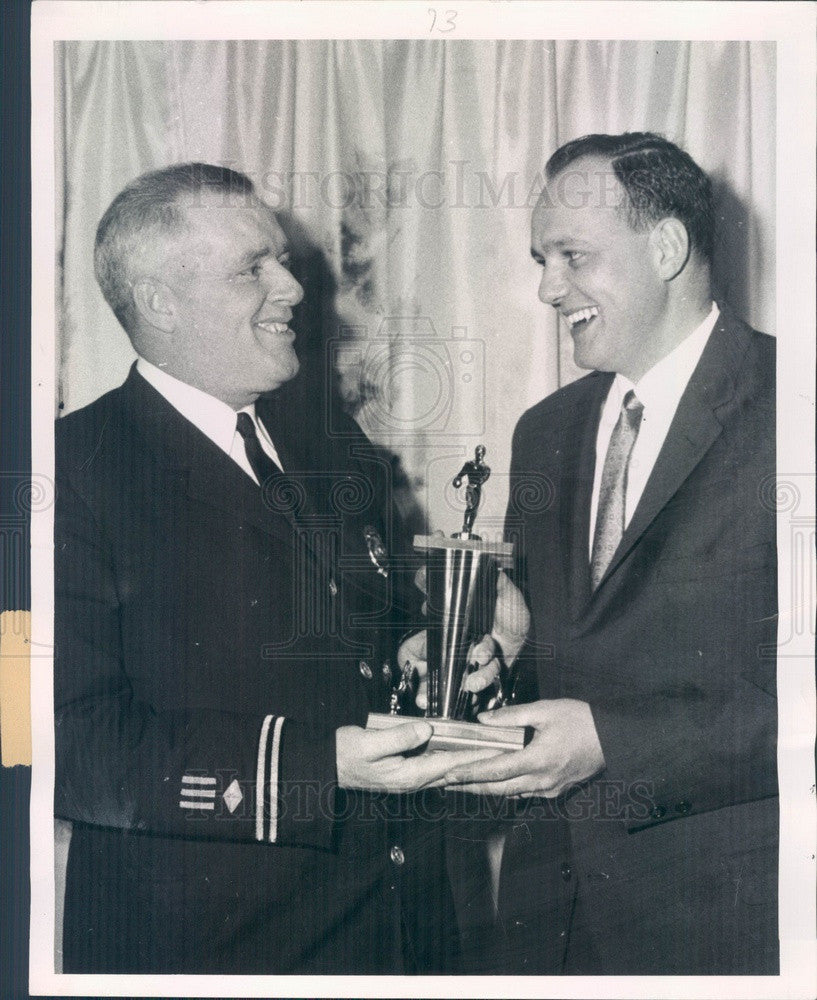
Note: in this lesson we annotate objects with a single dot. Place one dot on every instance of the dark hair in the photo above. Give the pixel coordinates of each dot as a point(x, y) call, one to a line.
point(152, 208)
point(660, 180)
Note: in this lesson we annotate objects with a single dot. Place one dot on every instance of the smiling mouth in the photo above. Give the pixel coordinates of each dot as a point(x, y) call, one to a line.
point(581, 318)
point(271, 326)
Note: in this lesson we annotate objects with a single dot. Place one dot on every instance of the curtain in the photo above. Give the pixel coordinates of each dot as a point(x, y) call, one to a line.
point(405, 172)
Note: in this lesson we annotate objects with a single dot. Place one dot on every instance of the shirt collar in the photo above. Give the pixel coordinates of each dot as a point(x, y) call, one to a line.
point(210, 415)
point(663, 385)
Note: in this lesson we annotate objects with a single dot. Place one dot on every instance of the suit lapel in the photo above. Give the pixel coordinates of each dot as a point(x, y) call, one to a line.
point(307, 469)
point(692, 432)
point(576, 488)
point(210, 476)
point(331, 478)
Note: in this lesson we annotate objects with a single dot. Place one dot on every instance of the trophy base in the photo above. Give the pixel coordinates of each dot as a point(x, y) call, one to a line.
point(451, 734)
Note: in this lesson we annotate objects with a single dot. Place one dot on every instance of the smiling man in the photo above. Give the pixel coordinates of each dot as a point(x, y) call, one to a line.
point(651, 579)
point(222, 632)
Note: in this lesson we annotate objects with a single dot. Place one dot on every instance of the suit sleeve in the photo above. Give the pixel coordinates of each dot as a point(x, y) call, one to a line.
point(705, 735)
point(677, 756)
point(188, 773)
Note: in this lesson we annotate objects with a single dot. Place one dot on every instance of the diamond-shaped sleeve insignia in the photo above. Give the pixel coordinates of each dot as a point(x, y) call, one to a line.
point(233, 795)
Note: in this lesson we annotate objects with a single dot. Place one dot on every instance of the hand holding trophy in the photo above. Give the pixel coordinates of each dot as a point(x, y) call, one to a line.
point(459, 571)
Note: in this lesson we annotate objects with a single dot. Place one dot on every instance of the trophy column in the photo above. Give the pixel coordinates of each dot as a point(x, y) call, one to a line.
point(456, 574)
point(460, 591)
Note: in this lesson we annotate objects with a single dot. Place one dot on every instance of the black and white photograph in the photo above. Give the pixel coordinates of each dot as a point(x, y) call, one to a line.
point(423, 584)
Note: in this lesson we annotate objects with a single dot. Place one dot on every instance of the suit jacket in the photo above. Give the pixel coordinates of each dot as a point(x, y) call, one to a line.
point(671, 863)
point(210, 638)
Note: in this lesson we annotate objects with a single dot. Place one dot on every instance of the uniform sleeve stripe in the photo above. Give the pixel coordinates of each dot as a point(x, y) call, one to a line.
point(196, 805)
point(275, 754)
point(192, 779)
point(266, 787)
point(259, 778)
point(199, 793)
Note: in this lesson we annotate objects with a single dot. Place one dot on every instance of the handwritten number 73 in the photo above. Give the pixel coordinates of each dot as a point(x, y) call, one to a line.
point(447, 20)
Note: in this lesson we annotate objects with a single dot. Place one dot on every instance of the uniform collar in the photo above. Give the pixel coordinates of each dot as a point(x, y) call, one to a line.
point(210, 415)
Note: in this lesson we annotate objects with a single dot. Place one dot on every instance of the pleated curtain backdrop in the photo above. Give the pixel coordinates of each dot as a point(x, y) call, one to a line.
point(408, 170)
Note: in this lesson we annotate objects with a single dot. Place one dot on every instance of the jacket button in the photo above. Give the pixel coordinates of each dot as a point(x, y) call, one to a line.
point(659, 812)
point(683, 808)
point(567, 871)
point(333, 587)
point(397, 856)
point(365, 669)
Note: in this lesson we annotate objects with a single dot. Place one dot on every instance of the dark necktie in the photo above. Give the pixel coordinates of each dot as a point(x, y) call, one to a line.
point(260, 462)
point(613, 489)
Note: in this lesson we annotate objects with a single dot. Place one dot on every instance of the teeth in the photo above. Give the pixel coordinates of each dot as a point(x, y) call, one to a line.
point(273, 327)
point(582, 314)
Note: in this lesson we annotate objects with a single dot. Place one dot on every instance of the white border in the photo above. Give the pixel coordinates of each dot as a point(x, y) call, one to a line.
point(242, 19)
point(793, 26)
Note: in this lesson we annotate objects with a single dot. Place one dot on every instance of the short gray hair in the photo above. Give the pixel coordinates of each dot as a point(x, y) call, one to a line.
point(151, 208)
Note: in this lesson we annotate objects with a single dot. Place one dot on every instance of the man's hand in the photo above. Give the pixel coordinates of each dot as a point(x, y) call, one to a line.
point(511, 627)
point(482, 653)
point(411, 656)
point(564, 751)
point(511, 618)
point(372, 759)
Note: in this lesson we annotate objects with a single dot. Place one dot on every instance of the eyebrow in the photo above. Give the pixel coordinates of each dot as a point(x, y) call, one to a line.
point(255, 255)
point(561, 244)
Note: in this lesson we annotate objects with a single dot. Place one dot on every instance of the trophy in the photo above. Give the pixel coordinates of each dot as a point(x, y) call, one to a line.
point(460, 583)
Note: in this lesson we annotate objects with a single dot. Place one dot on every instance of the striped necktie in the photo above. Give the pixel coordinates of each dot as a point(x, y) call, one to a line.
point(613, 489)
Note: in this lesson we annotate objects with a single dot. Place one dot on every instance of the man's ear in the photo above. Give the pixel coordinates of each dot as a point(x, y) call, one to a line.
point(155, 304)
point(670, 243)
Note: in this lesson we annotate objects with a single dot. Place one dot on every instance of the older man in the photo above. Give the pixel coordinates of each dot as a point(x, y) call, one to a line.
point(651, 578)
point(225, 620)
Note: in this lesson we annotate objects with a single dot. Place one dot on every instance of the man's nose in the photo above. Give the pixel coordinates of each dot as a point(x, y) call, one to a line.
point(553, 286)
point(282, 286)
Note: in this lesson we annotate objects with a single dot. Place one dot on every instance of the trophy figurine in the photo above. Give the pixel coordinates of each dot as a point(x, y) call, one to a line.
point(460, 580)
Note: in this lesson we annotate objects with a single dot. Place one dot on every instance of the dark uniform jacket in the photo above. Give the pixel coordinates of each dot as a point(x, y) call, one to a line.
point(672, 856)
point(210, 638)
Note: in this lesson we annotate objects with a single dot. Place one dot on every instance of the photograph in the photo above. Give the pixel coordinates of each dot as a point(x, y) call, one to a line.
point(422, 500)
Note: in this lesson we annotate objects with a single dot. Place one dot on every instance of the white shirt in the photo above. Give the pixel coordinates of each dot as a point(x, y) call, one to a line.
point(659, 390)
point(210, 415)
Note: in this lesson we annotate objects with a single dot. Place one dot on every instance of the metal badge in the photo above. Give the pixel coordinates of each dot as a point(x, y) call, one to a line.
point(377, 550)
